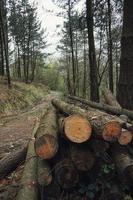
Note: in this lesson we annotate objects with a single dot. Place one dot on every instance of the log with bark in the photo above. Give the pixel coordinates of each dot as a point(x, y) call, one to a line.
point(10, 162)
point(104, 107)
point(66, 174)
point(110, 99)
point(123, 162)
point(99, 146)
point(46, 143)
point(102, 123)
point(126, 137)
point(28, 186)
point(44, 174)
point(75, 128)
point(82, 157)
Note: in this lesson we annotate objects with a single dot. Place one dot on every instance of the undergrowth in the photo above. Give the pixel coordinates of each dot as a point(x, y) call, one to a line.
point(20, 97)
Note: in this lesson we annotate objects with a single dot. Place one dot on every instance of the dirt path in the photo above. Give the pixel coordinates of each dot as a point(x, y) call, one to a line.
point(16, 130)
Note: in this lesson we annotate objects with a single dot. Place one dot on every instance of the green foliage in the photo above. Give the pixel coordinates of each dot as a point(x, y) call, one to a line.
point(89, 190)
point(106, 169)
point(128, 197)
point(52, 75)
point(28, 36)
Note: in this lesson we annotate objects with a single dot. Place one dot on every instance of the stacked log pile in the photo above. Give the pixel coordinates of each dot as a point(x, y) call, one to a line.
point(71, 148)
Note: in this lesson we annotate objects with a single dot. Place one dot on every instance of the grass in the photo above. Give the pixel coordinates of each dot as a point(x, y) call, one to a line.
point(20, 97)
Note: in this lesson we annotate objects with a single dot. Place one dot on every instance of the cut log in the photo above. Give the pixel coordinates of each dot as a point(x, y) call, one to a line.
point(102, 123)
point(46, 143)
point(123, 162)
point(82, 158)
point(126, 137)
point(66, 174)
point(28, 187)
point(99, 146)
point(10, 162)
point(110, 99)
point(76, 128)
point(104, 107)
point(52, 191)
point(114, 192)
point(44, 175)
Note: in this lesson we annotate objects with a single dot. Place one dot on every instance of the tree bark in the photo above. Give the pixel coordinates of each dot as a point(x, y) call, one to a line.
point(2, 71)
point(85, 66)
point(110, 99)
point(125, 86)
point(123, 162)
point(46, 143)
point(4, 28)
point(9, 163)
point(104, 107)
point(82, 158)
point(94, 90)
point(66, 174)
point(102, 123)
point(28, 189)
point(72, 47)
point(110, 59)
point(44, 175)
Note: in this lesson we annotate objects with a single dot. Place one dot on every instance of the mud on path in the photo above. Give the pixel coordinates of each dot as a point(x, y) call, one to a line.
point(16, 130)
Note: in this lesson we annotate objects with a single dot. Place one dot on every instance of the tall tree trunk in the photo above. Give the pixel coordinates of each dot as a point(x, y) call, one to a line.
point(19, 69)
point(85, 66)
point(1, 54)
point(77, 64)
point(94, 92)
point(4, 27)
point(117, 66)
point(68, 74)
point(110, 59)
point(72, 48)
point(125, 87)
point(28, 53)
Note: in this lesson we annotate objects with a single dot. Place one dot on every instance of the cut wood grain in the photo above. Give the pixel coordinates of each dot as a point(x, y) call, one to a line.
point(103, 124)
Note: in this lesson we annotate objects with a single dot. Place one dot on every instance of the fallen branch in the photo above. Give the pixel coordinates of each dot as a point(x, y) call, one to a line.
point(104, 107)
point(10, 162)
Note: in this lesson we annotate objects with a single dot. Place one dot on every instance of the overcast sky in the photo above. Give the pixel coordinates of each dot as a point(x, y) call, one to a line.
point(47, 11)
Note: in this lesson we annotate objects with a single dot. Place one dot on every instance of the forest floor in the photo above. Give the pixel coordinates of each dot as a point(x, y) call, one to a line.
point(15, 131)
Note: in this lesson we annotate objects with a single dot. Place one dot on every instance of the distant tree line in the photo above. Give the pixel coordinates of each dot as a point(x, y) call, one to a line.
point(21, 29)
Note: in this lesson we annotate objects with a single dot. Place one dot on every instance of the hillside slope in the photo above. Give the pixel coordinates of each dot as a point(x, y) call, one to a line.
point(20, 97)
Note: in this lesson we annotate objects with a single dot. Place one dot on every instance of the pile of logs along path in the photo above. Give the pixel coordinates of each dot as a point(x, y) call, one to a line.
point(79, 150)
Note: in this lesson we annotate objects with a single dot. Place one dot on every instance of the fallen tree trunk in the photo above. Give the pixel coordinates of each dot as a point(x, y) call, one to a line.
point(28, 187)
point(103, 124)
point(44, 175)
point(75, 128)
point(66, 174)
point(10, 162)
point(104, 107)
point(99, 146)
point(46, 143)
point(123, 162)
point(110, 99)
point(82, 158)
